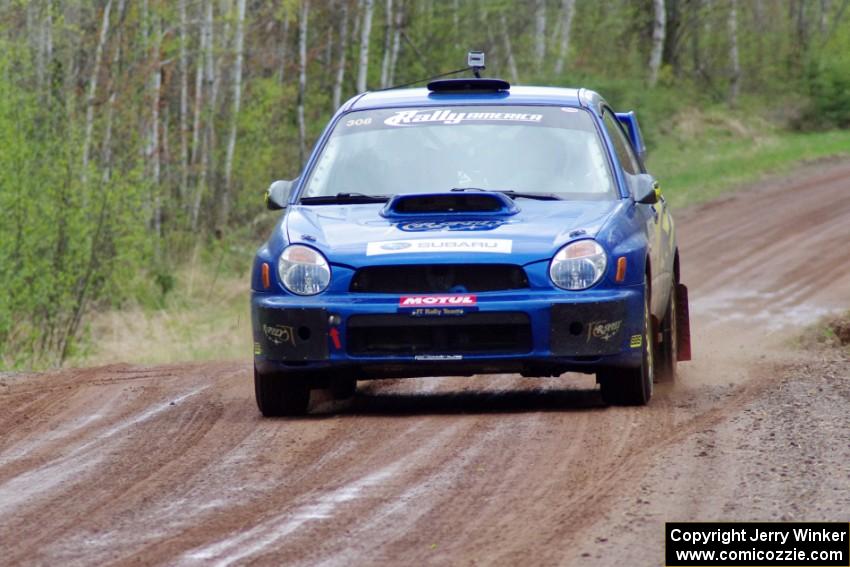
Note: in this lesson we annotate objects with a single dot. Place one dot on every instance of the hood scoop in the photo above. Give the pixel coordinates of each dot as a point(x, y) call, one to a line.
point(474, 204)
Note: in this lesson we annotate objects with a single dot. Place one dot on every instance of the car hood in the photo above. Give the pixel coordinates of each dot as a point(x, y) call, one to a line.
point(358, 235)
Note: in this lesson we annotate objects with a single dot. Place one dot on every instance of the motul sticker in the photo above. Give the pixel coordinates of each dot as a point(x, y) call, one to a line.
point(412, 301)
point(487, 245)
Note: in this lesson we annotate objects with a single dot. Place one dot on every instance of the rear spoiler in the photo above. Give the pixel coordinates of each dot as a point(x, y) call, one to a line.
point(630, 123)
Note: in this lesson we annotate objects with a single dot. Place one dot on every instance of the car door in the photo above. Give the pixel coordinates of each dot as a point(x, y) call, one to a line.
point(655, 217)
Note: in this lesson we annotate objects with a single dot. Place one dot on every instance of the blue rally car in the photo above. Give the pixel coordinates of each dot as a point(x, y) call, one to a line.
point(469, 228)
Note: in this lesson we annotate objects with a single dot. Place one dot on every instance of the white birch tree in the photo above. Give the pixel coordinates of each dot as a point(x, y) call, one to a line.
point(92, 92)
point(365, 35)
point(388, 32)
point(340, 66)
point(302, 78)
point(567, 13)
point(539, 33)
point(734, 61)
point(659, 24)
point(224, 208)
point(509, 50)
point(184, 102)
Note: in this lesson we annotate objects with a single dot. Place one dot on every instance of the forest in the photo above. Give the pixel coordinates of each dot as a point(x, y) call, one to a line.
point(134, 133)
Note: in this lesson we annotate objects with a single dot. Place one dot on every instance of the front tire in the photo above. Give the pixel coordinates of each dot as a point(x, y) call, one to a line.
point(280, 395)
point(632, 386)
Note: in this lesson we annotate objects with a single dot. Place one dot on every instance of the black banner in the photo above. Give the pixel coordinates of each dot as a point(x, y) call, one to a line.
point(757, 544)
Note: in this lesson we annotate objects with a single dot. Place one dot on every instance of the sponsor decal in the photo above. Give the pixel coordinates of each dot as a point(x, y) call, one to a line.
point(440, 311)
point(438, 357)
point(437, 305)
point(442, 116)
point(603, 330)
point(487, 245)
point(424, 226)
point(279, 334)
point(437, 300)
point(636, 342)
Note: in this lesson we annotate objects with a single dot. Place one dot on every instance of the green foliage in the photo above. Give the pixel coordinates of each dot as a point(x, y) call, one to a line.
point(63, 242)
point(829, 94)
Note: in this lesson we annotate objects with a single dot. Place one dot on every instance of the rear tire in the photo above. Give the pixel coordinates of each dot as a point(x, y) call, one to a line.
point(632, 386)
point(668, 351)
point(280, 395)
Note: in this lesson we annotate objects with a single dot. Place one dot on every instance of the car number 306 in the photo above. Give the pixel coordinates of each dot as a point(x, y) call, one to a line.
point(358, 122)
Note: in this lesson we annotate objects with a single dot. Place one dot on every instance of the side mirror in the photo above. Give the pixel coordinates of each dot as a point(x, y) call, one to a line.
point(645, 189)
point(277, 195)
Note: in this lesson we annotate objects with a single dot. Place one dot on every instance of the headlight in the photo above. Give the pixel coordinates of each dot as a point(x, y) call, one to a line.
point(303, 271)
point(578, 265)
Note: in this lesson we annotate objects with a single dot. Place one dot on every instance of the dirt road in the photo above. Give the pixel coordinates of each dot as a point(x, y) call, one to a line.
point(173, 464)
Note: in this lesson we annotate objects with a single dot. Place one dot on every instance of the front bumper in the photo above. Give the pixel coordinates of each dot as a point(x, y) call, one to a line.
point(538, 333)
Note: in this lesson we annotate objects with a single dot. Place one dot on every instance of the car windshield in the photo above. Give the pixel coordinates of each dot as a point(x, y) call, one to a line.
point(530, 149)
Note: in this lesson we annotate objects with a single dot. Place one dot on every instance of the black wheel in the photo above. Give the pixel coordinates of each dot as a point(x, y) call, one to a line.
point(632, 386)
point(280, 394)
point(668, 351)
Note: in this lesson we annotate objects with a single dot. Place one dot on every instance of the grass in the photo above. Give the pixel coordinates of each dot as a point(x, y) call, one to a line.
point(205, 317)
point(699, 156)
point(707, 155)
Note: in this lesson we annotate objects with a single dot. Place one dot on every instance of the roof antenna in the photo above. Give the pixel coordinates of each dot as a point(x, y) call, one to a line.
point(475, 61)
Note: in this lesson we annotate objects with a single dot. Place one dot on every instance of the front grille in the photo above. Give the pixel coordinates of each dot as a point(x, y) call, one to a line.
point(473, 333)
point(439, 278)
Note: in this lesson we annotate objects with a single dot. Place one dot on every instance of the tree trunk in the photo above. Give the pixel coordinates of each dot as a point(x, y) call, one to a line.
point(388, 37)
point(509, 52)
point(567, 13)
point(45, 48)
point(98, 55)
point(302, 78)
point(539, 33)
point(456, 18)
point(208, 81)
point(735, 64)
point(343, 47)
point(823, 20)
point(659, 22)
point(224, 208)
point(199, 85)
point(153, 144)
point(365, 34)
point(284, 44)
point(184, 105)
point(399, 20)
point(106, 147)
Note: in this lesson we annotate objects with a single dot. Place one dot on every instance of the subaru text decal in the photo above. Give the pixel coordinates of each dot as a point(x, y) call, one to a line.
point(490, 245)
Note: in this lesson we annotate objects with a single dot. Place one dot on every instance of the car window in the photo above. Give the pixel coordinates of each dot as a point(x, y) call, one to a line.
point(428, 150)
point(622, 145)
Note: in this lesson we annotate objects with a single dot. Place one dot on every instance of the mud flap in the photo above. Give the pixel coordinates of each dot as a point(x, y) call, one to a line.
point(683, 322)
